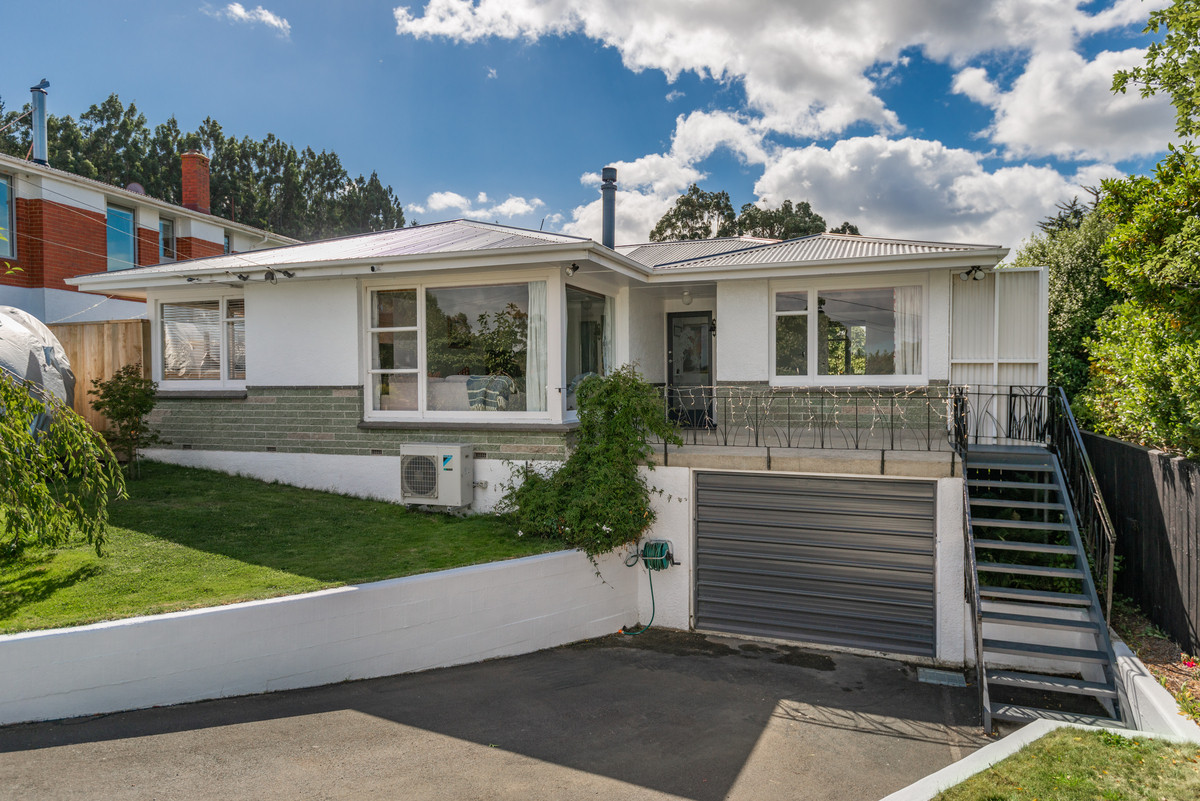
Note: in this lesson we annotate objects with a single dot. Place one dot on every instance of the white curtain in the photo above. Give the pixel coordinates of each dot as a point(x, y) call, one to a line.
point(610, 324)
point(535, 349)
point(908, 330)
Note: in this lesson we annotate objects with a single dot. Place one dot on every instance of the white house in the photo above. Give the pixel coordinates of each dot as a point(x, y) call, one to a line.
point(820, 384)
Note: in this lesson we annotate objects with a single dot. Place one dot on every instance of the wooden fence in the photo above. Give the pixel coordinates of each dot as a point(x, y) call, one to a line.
point(98, 350)
point(1154, 503)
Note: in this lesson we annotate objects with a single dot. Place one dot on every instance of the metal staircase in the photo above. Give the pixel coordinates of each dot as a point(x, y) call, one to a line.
point(1041, 634)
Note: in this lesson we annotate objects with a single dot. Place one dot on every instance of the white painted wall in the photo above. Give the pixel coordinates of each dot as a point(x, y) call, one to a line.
point(302, 333)
point(743, 331)
point(955, 644)
point(673, 586)
point(399, 626)
point(62, 306)
point(937, 326)
point(201, 229)
point(66, 192)
point(647, 334)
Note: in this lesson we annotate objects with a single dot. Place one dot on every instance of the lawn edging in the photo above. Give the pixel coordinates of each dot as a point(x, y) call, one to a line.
point(1149, 704)
point(355, 632)
point(984, 758)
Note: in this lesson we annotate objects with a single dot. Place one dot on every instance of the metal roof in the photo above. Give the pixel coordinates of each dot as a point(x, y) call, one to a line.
point(455, 236)
point(653, 254)
point(822, 247)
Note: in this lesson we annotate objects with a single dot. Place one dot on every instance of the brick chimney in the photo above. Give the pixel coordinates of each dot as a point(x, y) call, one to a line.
point(195, 181)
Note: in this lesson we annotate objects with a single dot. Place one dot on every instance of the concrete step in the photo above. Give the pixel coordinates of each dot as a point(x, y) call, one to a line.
point(1057, 684)
point(1038, 651)
point(1041, 571)
point(1038, 621)
point(1036, 596)
point(1029, 547)
point(1024, 714)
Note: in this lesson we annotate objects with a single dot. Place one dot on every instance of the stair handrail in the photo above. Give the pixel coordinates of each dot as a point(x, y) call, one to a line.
point(973, 598)
point(1083, 489)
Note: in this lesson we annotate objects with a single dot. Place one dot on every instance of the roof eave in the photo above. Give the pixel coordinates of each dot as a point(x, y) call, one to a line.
point(909, 261)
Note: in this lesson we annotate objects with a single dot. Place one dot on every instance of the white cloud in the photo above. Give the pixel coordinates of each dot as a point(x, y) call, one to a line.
point(921, 189)
point(674, 95)
point(491, 73)
point(1062, 105)
point(463, 207)
point(236, 12)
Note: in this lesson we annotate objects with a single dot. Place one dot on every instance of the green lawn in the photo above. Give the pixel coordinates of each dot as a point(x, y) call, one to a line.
point(1076, 765)
point(190, 538)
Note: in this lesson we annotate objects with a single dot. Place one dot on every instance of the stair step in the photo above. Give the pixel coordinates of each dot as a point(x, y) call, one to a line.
point(1045, 651)
point(1017, 504)
point(992, 522)
point(1001, 484)
point(1024, 714)
point(1039, 596)
point(1030, 547)
point(1016, 467)
point(1040, 621)
point(1057, 684)
point(1041, 571)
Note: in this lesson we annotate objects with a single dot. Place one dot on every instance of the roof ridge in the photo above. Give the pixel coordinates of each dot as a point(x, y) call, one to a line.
point(538, 233)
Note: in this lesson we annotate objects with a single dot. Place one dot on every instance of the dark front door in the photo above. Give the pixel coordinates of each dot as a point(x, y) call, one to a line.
point(689, 368)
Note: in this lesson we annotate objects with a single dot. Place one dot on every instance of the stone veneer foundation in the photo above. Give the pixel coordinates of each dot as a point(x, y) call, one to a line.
point(329, 420)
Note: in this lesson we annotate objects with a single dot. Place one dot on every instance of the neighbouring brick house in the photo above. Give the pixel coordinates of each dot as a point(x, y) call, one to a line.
point(59, 225)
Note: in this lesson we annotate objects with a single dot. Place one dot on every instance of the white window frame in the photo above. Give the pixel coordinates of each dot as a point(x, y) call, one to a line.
point(814, 288)
point(475, 418)
point(177, 384)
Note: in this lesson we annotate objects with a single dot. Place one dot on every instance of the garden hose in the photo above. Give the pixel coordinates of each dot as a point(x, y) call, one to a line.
point(655, 555)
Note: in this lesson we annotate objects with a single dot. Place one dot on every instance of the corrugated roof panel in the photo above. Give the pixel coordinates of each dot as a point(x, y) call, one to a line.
point(653, 254)
point(822, 247)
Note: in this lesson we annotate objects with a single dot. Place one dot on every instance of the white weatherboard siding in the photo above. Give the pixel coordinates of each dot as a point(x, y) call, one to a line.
point(744, 320)
point(303, 333)
point(399, 626)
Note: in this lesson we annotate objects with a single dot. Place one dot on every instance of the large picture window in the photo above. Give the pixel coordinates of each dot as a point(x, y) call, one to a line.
point(204, 340)
point(850, 332)
point(459, 349)
point(589, 337)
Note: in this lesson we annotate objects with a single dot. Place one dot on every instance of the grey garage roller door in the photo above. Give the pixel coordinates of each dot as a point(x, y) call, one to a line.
point(839, 561)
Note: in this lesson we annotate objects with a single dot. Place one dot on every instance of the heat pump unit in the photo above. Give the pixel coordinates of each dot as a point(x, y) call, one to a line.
point(436, 474)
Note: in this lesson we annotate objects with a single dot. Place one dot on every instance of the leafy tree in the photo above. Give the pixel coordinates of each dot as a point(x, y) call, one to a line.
point(1078, 294)
point(846, 228)
point(597, 501)
point(56, 477)
point(785, 222)
point(696, 215)
point(1070, 216)
point(1172, 65)
point(266, 183)
point(126, 399)
point(1145, 383)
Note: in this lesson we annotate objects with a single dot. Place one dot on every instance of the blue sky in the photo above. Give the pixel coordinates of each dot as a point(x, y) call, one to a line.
point(911, 118)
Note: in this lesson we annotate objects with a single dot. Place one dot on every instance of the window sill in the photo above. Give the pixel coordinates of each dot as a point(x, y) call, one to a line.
point(461, 425)
point(228, 394)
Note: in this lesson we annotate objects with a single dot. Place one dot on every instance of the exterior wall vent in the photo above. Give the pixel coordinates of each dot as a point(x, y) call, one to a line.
point(437, 474)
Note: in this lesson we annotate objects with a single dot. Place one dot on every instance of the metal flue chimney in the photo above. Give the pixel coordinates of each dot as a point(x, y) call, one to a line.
point(608, 193)
point(40, 154)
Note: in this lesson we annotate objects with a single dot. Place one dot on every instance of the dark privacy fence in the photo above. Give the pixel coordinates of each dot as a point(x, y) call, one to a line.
point(1153, 501)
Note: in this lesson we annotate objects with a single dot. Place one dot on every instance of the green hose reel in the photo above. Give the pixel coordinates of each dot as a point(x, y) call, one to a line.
point(655, 555)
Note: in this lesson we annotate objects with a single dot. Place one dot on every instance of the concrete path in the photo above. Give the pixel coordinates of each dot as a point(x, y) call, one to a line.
point(663, 715)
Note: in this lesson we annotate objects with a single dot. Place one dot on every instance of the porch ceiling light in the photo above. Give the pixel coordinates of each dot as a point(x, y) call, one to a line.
point(975, 272)
point(687, 297)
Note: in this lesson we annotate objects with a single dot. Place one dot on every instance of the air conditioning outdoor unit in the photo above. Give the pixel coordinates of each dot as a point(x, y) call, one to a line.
point(437, 474)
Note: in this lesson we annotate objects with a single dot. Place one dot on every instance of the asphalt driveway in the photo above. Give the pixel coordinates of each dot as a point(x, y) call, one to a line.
point(663, 715)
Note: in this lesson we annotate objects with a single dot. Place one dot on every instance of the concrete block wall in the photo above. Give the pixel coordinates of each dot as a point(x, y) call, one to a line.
point(398, 626)
point(324, 420)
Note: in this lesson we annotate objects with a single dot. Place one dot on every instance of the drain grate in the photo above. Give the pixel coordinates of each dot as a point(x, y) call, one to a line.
point(946, 677)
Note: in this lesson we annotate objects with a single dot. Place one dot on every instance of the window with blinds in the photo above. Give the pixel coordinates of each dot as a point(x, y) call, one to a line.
point(203, 340)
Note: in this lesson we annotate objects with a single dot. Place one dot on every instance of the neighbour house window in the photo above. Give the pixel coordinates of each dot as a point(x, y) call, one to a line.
point(166, 240)
point(7, 239)
point(228, 246)
point(204, 340)
point(854, 332)
point(589, 338)
point(122, 244)
point(458, 349)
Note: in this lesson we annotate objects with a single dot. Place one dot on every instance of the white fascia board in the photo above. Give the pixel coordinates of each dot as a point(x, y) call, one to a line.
point(126, 281)
point(841, 267)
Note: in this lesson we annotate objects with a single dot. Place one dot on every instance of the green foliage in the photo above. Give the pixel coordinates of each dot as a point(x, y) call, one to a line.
point(703, 215)
point(1078, 294)
point(1172, 65)
point(265, 183)
point(1145, 381)
point(696, 215)
point(597, 501)
point(126, 400)
point(55, 477)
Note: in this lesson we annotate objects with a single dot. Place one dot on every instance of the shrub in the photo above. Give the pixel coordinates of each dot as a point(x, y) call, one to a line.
point(597, 501)
point(126, 400)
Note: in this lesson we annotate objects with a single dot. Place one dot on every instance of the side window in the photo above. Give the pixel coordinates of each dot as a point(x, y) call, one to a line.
point(166, 240)
point(7, 241)
point(122, 245)
point(203, 340)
